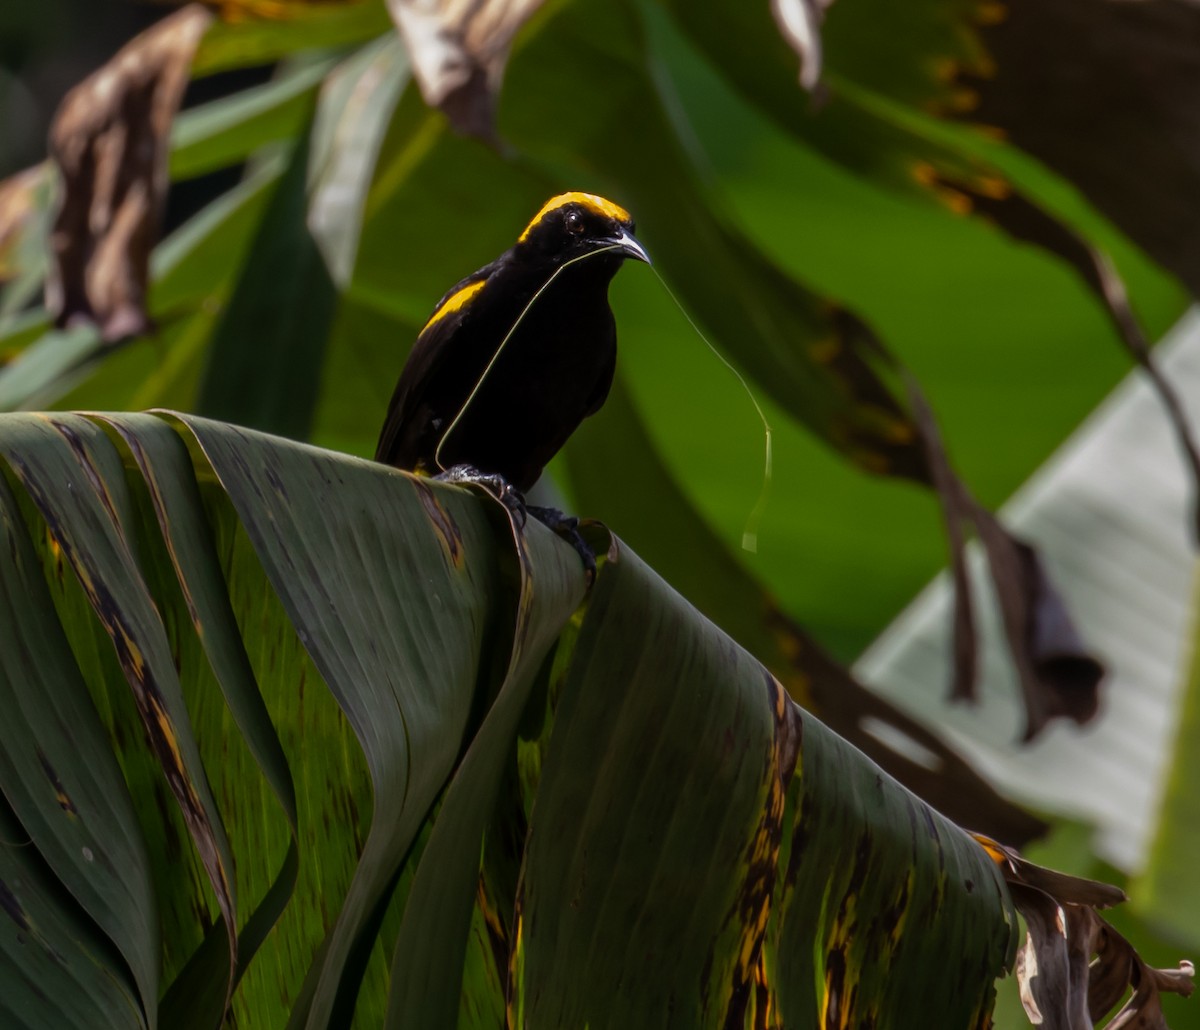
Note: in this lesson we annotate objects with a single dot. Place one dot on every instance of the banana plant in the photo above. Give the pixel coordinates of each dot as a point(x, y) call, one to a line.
point(296, 739)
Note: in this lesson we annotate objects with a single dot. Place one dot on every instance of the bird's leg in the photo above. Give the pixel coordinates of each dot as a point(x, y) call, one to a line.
point(567, 527)
point(504, 491)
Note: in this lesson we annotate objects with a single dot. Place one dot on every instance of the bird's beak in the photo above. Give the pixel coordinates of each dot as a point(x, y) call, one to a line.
point(629, 246)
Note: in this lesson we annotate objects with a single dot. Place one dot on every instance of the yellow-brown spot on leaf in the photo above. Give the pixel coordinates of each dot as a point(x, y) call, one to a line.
point(991, 12)
point(88, 467)
point(752, 910)
point(955, 200)
point(924, 173)
point(516, 966)
point(764, 996)
point(60, 793)
point(833, 1011)
point(993, 187)
point(963, 100)
point(945, 69)
point(995, 851)
point(825, 350)
point(444, 527)
point(166, 736)
point(496, 930)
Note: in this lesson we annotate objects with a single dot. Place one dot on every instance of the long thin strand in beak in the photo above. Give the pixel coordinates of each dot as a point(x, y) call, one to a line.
point(629, 246)
point(437, 454)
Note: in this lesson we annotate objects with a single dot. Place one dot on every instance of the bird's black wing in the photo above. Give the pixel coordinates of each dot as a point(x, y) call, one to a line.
point(402, 429)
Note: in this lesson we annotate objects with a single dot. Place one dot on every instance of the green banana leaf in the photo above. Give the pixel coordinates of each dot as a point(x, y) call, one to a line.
point(275, 715)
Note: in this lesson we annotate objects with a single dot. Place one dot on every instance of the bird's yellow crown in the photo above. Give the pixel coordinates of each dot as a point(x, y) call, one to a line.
point(589, 200)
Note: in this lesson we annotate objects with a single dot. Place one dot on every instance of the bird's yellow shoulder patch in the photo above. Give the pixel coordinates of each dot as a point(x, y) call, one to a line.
point(589, 200)
point(455, 301)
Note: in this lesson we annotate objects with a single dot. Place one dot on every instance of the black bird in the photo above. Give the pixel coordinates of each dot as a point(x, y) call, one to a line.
point(516, 355)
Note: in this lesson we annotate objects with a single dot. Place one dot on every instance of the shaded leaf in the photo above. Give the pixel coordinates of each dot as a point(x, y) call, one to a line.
point(74, 475)
point(613, 462)
point(226, 131)
point(109, 141)
point(267, 30)
point(459, 51)
point(264, 358)
point(407, 695)
point(56, 968)
point(1083, 85)
point(427, 971)
point(59, 773)
point(355, 105)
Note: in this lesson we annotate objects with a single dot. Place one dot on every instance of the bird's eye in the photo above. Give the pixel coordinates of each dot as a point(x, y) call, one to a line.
point(574, 223)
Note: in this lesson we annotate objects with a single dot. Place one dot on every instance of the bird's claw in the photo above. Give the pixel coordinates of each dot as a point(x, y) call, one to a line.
point(501, 489)
point(567, 527)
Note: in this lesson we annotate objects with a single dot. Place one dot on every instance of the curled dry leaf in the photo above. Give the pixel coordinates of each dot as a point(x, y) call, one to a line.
point(459, 49)
point(1057, 673)
point(1074, 968)
point(109, 140)
point(799, 23)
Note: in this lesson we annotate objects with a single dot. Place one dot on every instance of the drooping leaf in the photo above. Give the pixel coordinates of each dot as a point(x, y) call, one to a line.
point(427, 972)
point(63, 788)
point(1083, 85)
point(612, 462)
point(414, 611)
point(877, 138)
point(109, 143)
point(459, 51)
point(264, 358)
point(355, 105)
point(1062, 986)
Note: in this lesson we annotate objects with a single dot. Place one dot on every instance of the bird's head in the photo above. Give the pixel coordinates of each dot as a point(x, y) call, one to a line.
point(573, 224)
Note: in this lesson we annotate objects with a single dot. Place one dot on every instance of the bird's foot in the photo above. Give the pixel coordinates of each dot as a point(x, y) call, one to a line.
point(567, 527)
point(501, 488)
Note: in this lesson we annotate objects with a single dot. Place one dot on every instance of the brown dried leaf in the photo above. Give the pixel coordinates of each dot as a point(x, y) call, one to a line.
point(1063, 888)
point(459, 49)
point(1063, 987)
point(1057, 674)
point(799, 23)
point(946, 484)
point(109, 140)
